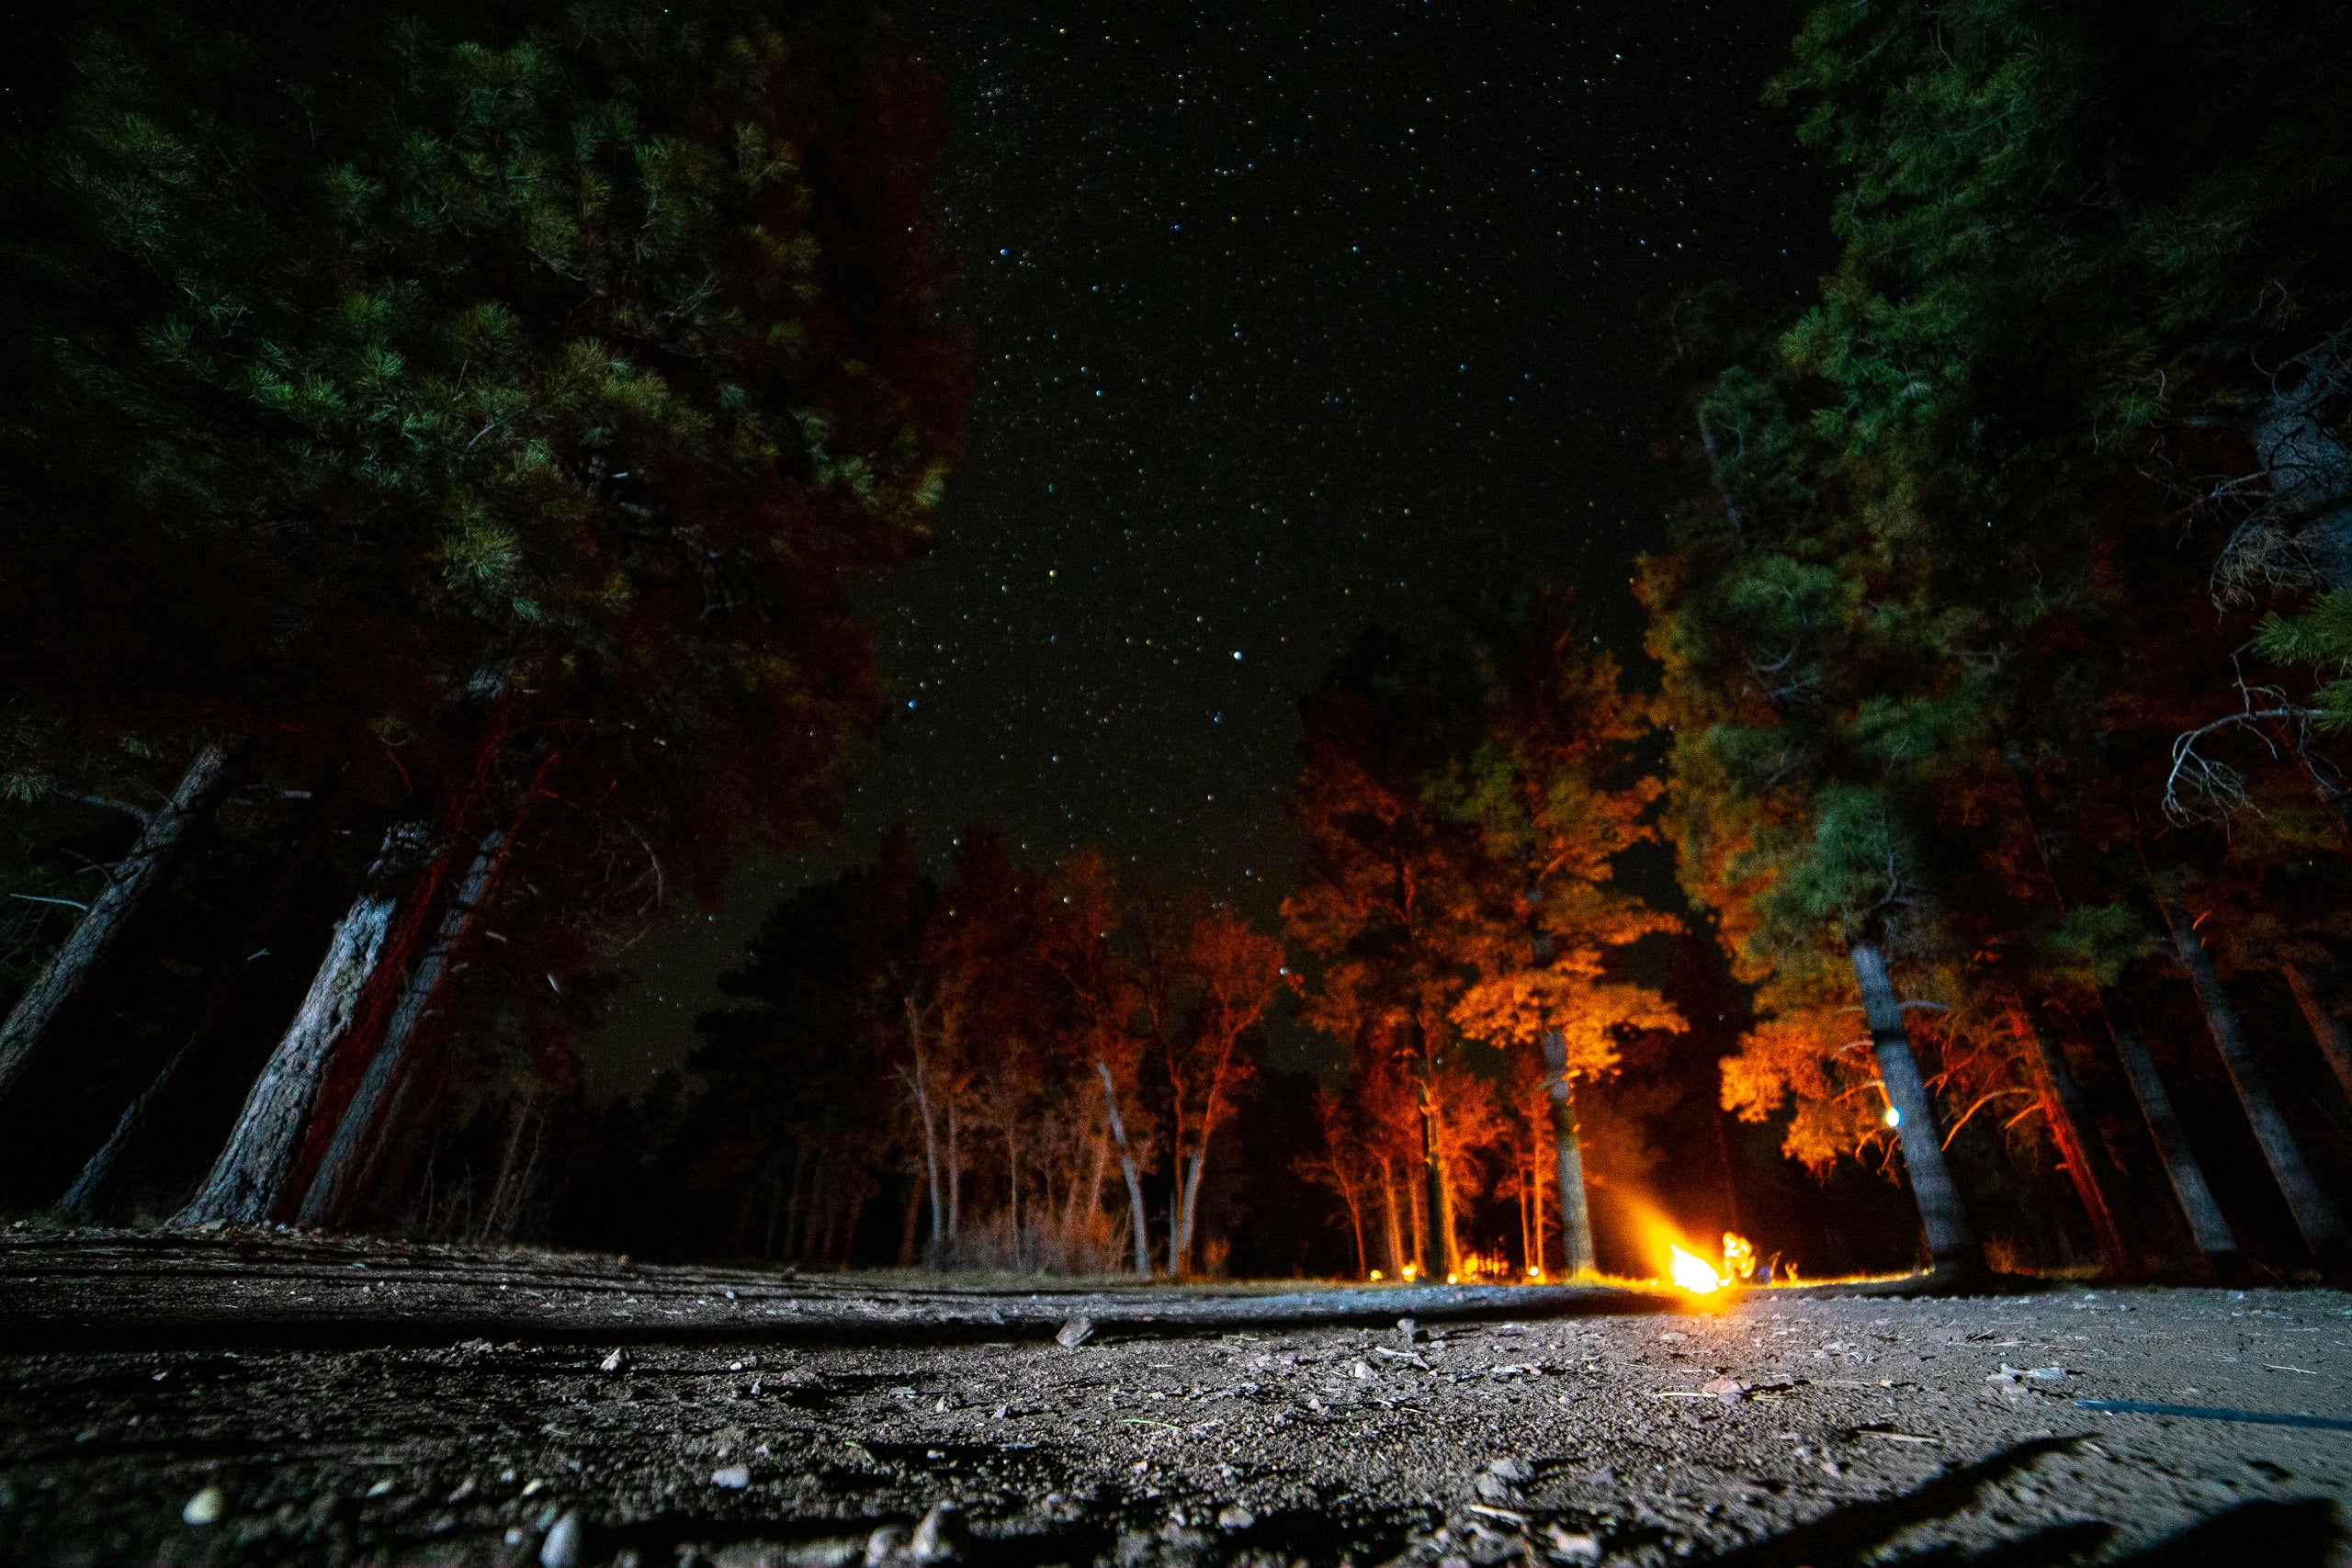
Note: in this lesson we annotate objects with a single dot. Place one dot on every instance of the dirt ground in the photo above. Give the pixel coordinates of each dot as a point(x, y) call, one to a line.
point(230, 1399)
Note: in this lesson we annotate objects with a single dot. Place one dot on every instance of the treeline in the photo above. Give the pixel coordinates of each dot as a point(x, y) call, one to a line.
point(439, 446)
point(1025, 1067)
point(1019, 1068)
point(2004, 637)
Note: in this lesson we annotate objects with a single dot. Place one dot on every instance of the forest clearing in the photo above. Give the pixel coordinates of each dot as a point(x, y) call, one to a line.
point(673, 1416)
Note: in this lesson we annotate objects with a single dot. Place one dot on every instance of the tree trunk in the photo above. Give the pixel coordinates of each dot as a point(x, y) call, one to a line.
point(247, 1182)
point(31, 1031)
point(954, 1169)
point(1567, 1151)
point(1393, 1225)
point(1128, 1164)
point(2062, 1107)
point(921, 1083)
point(88, 1198)
point(1192, 1199)
point(2331, 1034)
point(2316, 1217)
point(1932, 1189)
point(1432, 1232)
point(1355, 1221)
point(2207, 1228)
point(907, 1228)
point(367, 1129)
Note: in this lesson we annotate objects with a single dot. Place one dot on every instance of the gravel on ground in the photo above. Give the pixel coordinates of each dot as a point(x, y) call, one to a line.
point(171, 1401)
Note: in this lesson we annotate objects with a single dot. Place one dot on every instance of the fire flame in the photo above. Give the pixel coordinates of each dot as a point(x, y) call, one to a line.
point(1694, 1273)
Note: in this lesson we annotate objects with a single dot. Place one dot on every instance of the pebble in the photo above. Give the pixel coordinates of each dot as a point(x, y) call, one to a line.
point(941, 1537)
point(1236, 1518)
point(734, 1477)
point(611, 1364)
point(205, 1507)
point(1075, 1332)
point(561, 1547)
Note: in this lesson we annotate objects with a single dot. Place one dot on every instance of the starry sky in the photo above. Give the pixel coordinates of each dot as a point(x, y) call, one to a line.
point(1282, 313)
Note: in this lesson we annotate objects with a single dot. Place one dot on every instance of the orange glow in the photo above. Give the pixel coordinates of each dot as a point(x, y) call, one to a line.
point(1739, 1258)
point(1692, 1273)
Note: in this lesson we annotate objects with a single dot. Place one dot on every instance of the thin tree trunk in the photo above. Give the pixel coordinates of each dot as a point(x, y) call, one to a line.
point(1128, 1164)
point(1417, 1199)
point(1393, 1229)
point(1950, 1243)
point(954, 1171)
point(1192, 1199)
point(31, 1029)
point(1013, 1188)
point(366, 1129)
point(248, 1180)
point(1437, 1256)
point(2207, 1228)
point(921, 1084)
point(2062, 1107)
point(88, 1198)
point(1576, 1213)
point(2332, 1035)
point(2316, 1217)
point(1355, 1221)
point(907, 1230)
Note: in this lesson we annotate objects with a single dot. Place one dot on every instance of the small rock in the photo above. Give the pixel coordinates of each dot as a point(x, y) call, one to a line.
point(941, 1537)
point(611, 1364)
point(205, 1507)
point(1236, 1518)
point(561, 1547)
point(734, 1477)
point(1512, 1470)
point(884, 1544)
point(1494, 1489)
point(1406, 1329)
point(1728, 1390)
point(2046, 1374)
point(1075, 1332)
point(382, 1486)
point(1573, 1548)
point(1362, 1371)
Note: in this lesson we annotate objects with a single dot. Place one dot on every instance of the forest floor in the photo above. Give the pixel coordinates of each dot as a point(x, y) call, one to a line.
point(278, 1399)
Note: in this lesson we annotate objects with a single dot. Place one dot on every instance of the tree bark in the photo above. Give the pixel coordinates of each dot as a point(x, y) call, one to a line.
point(31, 1029)
point(2330, 1032)
point(2207, 1228)
point(1950, 1243)
point(248, 1180)
point(1128, 1164)
point(2316, 1217)
point(1575, 1212)
point(2062, 1107)
point(367, 1128)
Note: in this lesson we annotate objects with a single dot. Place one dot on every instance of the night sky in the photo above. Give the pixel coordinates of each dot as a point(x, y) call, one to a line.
point(1281, 313)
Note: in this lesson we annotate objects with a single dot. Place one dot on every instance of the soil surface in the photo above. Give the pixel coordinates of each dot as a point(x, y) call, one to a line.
point(276, 1399)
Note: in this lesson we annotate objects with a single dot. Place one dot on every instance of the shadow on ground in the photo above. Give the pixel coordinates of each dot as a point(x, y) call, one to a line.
point(2292, 1533)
